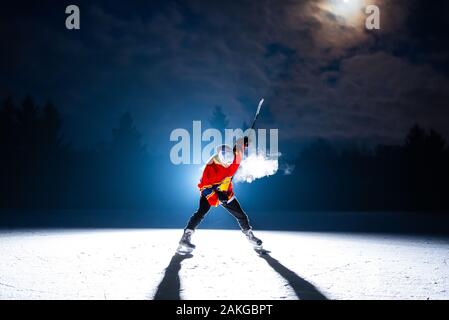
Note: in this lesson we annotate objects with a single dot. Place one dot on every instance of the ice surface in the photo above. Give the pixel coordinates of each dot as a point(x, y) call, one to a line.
point(140, 264)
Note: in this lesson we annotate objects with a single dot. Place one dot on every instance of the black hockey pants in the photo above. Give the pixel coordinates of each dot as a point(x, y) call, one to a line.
point(233, 207)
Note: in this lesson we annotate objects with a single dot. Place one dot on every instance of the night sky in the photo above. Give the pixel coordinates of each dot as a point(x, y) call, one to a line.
point(170, 62)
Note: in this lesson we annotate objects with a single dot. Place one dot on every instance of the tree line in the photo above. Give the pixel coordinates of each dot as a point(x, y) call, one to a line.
point(39, 169)
point(413, 176)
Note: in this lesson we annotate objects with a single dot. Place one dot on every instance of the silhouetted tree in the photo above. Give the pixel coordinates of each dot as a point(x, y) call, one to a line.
point(436, 144)
point(125, 166)
point(51, 127)
point(218, 120)
point(318, 150)
point(8, 158)
point(126, 138)
point(28, 133)
point(7, 124)
point(416, 139)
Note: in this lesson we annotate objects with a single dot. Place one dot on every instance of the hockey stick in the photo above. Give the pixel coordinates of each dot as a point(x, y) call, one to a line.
point(257, 113)
point(246, 140)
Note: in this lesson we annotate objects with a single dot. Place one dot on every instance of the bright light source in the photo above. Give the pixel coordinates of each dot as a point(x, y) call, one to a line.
point(349, 10)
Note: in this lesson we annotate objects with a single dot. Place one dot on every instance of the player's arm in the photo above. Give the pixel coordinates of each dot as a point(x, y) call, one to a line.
point(239, 149)
point(241, 144)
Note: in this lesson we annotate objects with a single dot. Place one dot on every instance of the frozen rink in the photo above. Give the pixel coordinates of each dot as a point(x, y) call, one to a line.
point(141, 264)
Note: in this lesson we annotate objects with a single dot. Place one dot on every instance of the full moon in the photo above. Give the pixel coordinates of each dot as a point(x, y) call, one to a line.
point(342, 22)
point(348, 12)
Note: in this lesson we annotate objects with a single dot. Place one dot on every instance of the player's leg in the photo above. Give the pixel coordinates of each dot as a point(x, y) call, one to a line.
point(193, 223)
point(234, 208)
point(199, 215)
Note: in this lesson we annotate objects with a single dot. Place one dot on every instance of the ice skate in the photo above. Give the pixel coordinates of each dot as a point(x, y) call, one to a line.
point(256, 242)
point(185, 244)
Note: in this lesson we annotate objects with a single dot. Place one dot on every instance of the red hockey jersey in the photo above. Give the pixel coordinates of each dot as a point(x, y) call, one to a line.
point(218, 178)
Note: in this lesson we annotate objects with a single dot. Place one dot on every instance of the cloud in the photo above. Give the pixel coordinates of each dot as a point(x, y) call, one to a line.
point(322, 75)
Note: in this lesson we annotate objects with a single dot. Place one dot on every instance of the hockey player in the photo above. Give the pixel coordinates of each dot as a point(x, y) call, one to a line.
point(216, 189)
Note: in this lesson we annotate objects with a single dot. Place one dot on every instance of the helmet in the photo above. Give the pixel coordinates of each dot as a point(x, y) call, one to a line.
point(225, 155)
